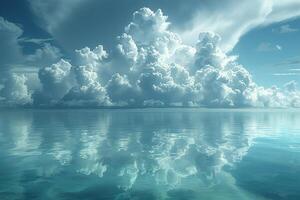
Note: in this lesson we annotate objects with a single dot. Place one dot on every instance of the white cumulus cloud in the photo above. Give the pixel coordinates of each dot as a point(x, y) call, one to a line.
point(152, 66)
point(15, 91)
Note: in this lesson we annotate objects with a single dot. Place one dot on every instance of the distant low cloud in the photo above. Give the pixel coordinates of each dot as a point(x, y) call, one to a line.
point(149, 66)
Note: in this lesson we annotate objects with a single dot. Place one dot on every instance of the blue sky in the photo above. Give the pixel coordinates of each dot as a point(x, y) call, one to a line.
point(36, 34)
point(271, 66)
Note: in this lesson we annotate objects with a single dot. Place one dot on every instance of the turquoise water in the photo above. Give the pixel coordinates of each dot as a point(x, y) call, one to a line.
point(149, 154)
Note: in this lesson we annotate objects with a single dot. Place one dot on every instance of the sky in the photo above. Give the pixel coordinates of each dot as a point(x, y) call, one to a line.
point(145, 53)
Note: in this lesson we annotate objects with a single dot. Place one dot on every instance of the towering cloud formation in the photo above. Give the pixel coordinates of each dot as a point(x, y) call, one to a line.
point(15, 90)
point(56, 80)
point(151, 66)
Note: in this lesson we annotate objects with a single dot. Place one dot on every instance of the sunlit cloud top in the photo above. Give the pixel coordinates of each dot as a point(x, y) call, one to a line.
point(152, 61)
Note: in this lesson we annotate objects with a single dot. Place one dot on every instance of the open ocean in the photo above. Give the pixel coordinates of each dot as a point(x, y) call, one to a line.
point(149, 154)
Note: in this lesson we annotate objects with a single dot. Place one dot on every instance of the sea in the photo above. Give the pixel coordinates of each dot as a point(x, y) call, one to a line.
point(150, 154)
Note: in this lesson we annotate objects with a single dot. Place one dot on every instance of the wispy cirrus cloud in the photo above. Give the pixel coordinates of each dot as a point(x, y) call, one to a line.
point(290, 63)
point(286, 74)
point(35, 40)
point(295, 70)
point(286, 29)
point(230, 19)
point(289, 67)
point(268, 47)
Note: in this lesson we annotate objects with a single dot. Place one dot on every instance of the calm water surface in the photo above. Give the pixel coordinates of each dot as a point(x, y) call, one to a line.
point(149, 154)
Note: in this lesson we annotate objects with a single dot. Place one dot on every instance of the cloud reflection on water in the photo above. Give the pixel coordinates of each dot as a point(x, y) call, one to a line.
point(122, 154)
